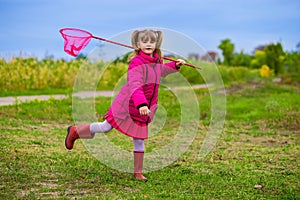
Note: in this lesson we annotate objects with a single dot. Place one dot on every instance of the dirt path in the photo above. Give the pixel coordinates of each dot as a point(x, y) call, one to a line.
point(4, 101)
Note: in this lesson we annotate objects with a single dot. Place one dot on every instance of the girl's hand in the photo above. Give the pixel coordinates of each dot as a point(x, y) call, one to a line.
point(144, 110)
point(179, 62)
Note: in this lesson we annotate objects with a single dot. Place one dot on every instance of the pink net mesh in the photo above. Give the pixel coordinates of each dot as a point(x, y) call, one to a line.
point(75, 40)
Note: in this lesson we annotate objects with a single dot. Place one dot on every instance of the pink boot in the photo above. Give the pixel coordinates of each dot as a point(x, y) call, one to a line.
point(138, 166)
point(75, 132)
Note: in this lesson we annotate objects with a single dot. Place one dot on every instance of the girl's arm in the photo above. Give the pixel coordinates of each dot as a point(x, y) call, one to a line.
point(171, 67)
point(135, 81)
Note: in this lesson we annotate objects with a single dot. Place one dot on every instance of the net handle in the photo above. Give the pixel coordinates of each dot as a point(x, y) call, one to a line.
point(110, 41)
point(120, 44)
point(124, 45)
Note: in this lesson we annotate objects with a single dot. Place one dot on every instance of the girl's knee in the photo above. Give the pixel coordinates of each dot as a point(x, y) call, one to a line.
point(138, 145)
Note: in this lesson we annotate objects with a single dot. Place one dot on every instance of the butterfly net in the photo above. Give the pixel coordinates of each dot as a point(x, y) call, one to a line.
point(75, 40)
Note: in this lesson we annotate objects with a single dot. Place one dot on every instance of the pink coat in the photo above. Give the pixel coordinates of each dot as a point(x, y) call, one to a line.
point(143, 80)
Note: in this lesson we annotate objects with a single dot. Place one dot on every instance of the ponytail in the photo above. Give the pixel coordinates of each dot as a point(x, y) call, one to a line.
point(134, 41)
point(158, 43)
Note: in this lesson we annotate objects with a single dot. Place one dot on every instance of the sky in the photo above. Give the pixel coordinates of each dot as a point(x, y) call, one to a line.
point(31, 27)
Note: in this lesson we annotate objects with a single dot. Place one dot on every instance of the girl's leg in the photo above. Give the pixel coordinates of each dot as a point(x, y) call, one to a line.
point(85, 131)
point(100, 127)
point(139, 159)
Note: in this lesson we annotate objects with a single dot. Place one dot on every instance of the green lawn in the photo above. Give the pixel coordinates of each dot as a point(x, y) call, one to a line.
point(256, 157)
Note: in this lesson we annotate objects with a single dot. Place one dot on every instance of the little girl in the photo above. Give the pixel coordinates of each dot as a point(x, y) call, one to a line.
point(134, 106)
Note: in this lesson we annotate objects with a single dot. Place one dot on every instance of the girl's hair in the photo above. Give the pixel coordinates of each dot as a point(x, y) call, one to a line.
point(145, 35)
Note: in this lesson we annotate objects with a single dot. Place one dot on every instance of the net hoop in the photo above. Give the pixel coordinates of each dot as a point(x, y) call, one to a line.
point(75, 32)
point(75, 40)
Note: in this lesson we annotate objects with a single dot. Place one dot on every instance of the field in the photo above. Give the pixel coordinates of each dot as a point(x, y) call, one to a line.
point(256, 156)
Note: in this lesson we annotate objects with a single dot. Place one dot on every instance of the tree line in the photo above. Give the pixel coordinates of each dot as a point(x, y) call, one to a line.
point(271, 55)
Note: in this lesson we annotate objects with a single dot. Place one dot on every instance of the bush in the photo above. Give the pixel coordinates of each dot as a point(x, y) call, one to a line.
point(26, 74)
point(228, 74)
point(20, 74)
point(265, 71)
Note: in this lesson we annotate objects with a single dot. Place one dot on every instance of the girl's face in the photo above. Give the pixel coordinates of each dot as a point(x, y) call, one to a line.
point(147, 45)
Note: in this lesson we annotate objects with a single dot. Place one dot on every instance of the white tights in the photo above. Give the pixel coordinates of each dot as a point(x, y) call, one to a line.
point(104, 127)
point(100, 127)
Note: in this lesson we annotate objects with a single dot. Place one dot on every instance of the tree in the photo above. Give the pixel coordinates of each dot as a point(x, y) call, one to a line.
point(292, 62)
point(81, 56)
point(241, 59)
point(298, 46)
point(275, 57)
point(258, 59)
point(227, 51)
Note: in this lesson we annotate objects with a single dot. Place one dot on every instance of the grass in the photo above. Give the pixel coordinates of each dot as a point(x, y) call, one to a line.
point(257, 156)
